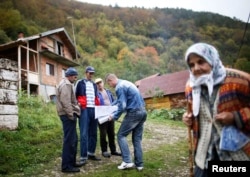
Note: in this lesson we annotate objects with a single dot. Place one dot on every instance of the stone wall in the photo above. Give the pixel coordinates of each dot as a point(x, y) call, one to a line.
point(8, 94)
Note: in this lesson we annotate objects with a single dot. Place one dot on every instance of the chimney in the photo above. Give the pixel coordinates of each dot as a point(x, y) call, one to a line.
point(20, 35)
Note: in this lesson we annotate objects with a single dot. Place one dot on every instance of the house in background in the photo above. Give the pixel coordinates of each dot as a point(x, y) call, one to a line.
point(137, 83)
point(164, 91)
point(42, 60)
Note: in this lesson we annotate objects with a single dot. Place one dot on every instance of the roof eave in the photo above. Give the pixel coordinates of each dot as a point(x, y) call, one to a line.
point(58, 58)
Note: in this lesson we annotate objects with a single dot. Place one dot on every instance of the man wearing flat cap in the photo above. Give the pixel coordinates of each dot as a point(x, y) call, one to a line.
point(68, 110)
point(87, 97)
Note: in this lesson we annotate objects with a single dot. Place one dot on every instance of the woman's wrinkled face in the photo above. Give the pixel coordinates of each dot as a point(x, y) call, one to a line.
point(198, 65)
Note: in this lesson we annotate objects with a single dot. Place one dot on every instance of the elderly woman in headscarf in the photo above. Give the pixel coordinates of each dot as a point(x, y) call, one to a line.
point(219, 109)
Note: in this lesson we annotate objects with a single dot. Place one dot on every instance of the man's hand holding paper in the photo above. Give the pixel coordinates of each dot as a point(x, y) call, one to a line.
point(102, 113)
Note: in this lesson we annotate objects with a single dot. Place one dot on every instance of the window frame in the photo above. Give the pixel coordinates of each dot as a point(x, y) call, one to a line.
point(50, 69)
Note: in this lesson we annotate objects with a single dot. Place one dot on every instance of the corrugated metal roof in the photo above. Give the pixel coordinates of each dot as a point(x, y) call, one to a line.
point(166, 84)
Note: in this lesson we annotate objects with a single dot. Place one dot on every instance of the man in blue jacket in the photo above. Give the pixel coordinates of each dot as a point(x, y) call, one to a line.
point(106, 128)
point(129, 100)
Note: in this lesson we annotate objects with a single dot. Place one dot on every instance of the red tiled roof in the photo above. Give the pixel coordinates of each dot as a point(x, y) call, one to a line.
point(167, 84)
point(137, 83)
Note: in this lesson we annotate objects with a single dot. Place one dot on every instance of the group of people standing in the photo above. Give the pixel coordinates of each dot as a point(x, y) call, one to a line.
point(78, 102)
point(218, 100)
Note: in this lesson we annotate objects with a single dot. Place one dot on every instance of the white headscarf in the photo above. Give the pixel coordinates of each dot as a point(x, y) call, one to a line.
point(216, 76)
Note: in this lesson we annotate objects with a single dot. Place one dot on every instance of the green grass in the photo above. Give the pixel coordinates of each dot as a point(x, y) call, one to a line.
point(163, 161)
point(36, 146)
point(35, 141)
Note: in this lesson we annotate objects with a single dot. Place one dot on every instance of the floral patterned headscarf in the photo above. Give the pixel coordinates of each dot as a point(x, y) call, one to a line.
point(216, 76)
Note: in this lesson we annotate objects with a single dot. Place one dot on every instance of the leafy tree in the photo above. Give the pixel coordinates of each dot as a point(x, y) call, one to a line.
point(10, 19)
point(243, 64)
point(245, 51)
point(3, 37)
point(131, 42)
point(114, 46)
point(124, 54)
point(158, 44)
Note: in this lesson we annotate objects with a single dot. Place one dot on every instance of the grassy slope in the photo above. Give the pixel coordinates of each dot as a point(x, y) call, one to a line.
point(35, 147)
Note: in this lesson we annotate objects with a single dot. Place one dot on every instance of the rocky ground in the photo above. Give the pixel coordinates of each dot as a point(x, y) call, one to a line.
point(159, 135)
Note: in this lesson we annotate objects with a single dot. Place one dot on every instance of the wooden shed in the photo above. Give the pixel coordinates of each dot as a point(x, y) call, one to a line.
point(164, 91)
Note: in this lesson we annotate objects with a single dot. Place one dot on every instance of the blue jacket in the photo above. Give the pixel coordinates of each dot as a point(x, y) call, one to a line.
point(80, 91)
point(128, 98)
point(110, 95)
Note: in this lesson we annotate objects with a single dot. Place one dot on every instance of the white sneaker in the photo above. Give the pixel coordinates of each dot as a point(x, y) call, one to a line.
point(125, 165)
point(139, 168)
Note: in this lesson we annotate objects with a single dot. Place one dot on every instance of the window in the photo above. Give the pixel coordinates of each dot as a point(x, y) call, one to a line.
point(59, 48)
point(50, 69)
point(63, 73)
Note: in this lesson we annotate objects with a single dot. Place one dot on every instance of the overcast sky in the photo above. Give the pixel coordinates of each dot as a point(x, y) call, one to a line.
point(231, 8)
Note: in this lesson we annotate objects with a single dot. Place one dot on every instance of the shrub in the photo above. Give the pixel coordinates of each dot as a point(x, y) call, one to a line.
point(171, 114)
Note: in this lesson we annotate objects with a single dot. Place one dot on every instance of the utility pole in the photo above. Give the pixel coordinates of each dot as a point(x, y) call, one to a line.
point(74, 38)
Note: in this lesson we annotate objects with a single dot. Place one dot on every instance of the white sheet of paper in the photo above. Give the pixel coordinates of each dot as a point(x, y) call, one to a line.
point(101, 111)
point(103, 119)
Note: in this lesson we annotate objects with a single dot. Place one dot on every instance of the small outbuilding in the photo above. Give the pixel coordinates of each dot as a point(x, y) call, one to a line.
point(164, 91)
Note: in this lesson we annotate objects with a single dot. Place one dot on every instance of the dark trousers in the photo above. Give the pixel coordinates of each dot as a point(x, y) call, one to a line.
point(204, 173)
point(199, 172)
point(69, 142)
point(107, 128)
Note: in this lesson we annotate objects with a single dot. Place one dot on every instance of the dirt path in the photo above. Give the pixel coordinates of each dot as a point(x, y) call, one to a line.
point(159, 134)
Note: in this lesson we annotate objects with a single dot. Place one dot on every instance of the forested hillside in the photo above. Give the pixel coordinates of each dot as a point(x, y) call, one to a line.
point(131, 42)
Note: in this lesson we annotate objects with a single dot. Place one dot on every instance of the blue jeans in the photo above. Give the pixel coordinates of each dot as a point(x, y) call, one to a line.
point(69, 142)
point(88, 132)
point(133, 122)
